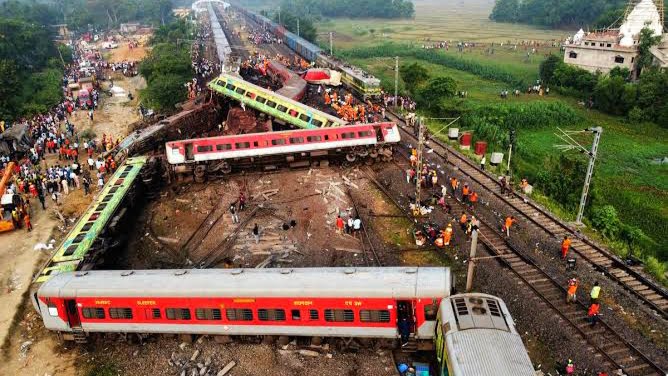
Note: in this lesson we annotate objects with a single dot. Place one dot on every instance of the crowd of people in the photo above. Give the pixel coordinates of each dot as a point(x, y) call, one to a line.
point(57, 159)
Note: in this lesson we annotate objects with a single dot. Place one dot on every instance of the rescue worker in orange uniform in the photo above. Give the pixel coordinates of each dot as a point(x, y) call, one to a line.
point(593, 313)
point(565, 245)
point(328, 99)
point(465, 193)
point(454, 184)
point(508, 224)
point(447, 235)
point(463, 220)
point(572, 289)
point(473, 198)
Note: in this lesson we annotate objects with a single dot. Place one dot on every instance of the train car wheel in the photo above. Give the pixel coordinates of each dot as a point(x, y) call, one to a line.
point(200, 174)
point(373, 153)
point(226, 168)
point(363, 153)
point(350, 157)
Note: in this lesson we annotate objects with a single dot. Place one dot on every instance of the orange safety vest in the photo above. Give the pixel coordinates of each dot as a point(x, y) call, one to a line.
point(593, 309)
point(566, 244)
point(509, 222)
point(572, 289)
point(473, 197)
point(465, 191)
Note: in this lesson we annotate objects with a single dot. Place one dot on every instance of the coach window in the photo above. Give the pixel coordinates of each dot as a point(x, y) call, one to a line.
point(271, 314)
point(153, 313)
point(296, 314)
point(230, 87)
point(221, 147)
point(260, 99)
point(278, 141)
point(208, 314)
point(239, 314)
point(339, 315)
point(240, 90)
point(281, 108)
point(296, 140)
point(347, 135)
point(120, 313)
point(177, 313)
point(313, 315)
point(316, 122)
point(430, 311)
point(374, 315)
point(271, 104)
point(93, 313)
point(364, 134)
point(204, 148)
point(242, 145)
point(304, 118)
point(314, 138)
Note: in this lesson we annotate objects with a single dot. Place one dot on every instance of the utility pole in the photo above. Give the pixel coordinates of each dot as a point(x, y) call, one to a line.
point(331, 43)
point(297, 26)
point(472, 261)
point(279, 14)
point(510, 151)
point(396, 79)
point(418, 168)
point(571, 144)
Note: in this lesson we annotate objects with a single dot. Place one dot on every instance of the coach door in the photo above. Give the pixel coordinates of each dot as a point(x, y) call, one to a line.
point(189, 153)
point(72, 313)
point(405, 309)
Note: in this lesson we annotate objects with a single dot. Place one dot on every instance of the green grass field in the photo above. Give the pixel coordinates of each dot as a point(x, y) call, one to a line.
point(625, 175)
point(437, 20)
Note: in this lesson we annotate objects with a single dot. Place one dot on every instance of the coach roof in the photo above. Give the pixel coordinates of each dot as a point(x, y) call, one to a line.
point(395, 282)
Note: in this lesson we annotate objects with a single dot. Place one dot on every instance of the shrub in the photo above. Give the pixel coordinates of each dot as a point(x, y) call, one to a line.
point(605, 220)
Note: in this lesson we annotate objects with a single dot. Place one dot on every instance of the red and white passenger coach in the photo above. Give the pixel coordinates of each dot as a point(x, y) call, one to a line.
point(363, 139)
point(324, 302)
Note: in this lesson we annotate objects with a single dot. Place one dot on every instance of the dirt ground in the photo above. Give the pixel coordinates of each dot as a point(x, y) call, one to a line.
point(124, 53)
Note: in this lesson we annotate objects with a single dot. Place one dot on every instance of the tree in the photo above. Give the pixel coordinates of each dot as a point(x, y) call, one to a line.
point(613, 95)
point(435, 90)
point(547, 68)
point(413, 75)
point(646, 41)
point(164, 92)
point(505, 11)
point(624, 73)
point(9, 88)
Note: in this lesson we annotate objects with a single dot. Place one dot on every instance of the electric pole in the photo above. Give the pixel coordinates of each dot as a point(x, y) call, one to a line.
point(571, 144)
point(331, 43)
point(418, 168)
point(396, 79)
point(298, 26)
point(510, 151)
point(472, 261)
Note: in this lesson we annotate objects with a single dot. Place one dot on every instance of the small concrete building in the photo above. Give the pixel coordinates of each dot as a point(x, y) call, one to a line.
point(127, 28)
point(600, 52)
point(606, 49)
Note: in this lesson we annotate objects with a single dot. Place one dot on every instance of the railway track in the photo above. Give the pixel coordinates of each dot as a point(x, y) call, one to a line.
point(629, 277)
point(615, 352)
point(372, 259)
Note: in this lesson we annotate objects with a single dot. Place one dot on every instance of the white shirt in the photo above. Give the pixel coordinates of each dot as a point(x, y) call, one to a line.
point(357, 224)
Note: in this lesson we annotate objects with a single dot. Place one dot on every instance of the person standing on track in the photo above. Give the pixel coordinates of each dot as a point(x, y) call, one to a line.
point(508, 224)
point(565, 245)
point(595, 293)
point(482, 163)
point(357, 225)
point(339, 225)
point(572, 290)
point(256, 233)
point(233, 211)
point(594, 310)
point(465, 193)
point(454, 184)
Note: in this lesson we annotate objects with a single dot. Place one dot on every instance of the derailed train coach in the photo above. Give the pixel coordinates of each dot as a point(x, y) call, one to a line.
point(323, 302)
